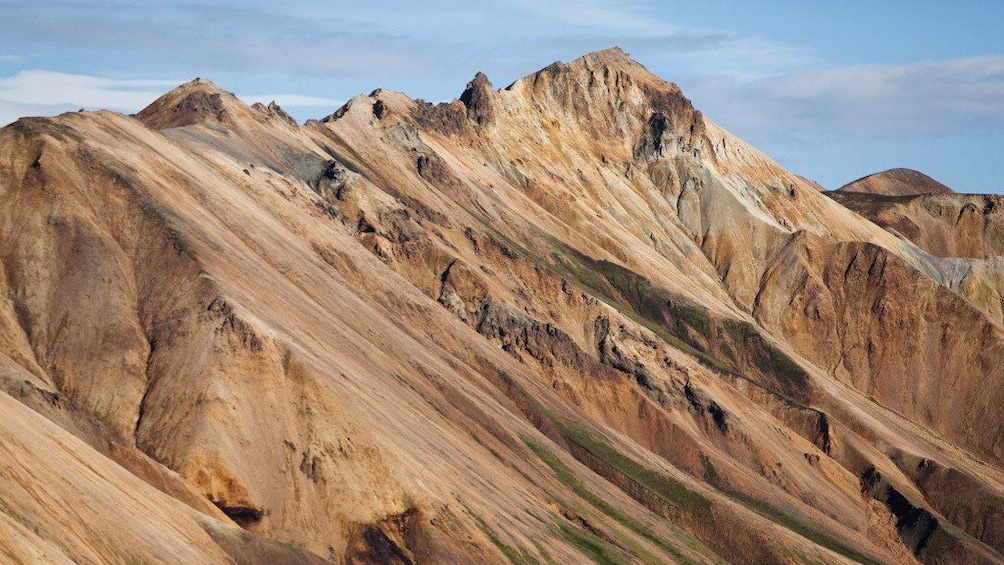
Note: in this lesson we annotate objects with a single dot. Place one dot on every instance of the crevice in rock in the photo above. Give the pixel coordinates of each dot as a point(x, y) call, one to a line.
point(243, 516)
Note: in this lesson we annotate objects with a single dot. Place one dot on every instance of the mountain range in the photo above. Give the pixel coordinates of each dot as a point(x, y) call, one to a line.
point(571, 320)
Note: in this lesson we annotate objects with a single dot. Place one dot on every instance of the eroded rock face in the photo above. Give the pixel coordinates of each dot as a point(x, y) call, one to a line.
point(568, 319)
point(945, 225)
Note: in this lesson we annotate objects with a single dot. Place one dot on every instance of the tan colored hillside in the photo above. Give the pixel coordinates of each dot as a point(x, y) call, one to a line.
point(896, 182)
point(945, 225)
point(568, 321)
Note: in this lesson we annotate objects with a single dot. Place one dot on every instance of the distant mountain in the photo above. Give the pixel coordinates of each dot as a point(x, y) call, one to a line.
point(571, 320)
point(944, 225)
point(896, 182)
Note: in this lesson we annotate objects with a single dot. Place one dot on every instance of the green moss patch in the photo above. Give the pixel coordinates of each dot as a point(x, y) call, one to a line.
point(568, 478)
point(771, 361)
point(666, 488)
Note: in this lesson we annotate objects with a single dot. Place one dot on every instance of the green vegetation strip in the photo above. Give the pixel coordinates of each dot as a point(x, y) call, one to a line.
point(645, 302)
point(598, 550)
point(667, 488)
point(795, 525)
point(679, 496)
point(665, 314)
point(772, 361)
point(674, 318)
point(565, 475)
point(945, 541)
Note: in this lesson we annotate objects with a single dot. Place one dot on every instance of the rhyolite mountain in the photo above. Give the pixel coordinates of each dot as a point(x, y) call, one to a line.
point(896, 182)
point(568, 321)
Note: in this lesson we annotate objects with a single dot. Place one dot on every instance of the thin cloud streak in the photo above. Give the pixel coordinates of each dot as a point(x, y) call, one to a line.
point(242, 37)
point(864, 102)
point(400, 42)
point(618, 18)
point(11, 112)
point(39, 88)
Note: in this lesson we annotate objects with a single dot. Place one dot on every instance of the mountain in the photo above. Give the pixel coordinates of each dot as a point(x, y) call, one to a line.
point(964, 231)
point(896, 182)
point(571, 320)
point(944, 225)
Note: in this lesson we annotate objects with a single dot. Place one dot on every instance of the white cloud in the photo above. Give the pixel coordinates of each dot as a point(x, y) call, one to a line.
point(41, 89)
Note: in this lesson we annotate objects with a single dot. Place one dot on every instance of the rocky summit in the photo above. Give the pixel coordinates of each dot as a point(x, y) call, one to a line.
point(572, 320)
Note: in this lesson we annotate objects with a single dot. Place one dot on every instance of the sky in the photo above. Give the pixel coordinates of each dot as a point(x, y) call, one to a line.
point(832, 90)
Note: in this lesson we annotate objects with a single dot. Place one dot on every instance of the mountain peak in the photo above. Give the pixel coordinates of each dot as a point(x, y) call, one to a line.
point(609, 93)
point(897, 182)
point(201, 83)
point(477, 97)
point(609, 56)
point(610, 59)
point(197, 101)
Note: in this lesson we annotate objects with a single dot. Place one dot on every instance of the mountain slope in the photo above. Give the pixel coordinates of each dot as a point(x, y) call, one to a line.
point(945, 225)
point(570, 319)
point(962, 230)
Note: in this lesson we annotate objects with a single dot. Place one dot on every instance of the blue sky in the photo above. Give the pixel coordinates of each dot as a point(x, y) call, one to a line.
point(832, 90)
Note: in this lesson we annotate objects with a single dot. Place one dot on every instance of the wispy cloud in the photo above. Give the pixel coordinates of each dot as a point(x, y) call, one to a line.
point(222, 35)
point(616, 17)
point(382, 38)
point(47, 88)
point(623, 23)
point(11, 112)
point(865, 101)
